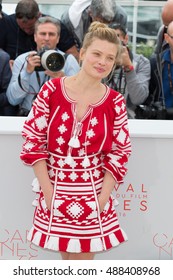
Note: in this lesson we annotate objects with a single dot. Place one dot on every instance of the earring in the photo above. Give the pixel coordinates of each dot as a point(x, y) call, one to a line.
point(111, 73)
point(80, 63)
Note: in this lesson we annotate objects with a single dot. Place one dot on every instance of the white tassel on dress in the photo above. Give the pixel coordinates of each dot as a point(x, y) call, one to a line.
point(116, 203)
point(35, 185)
point(69, 159)
point(74, 142)
point(35, 202)
point(86, 162)
point(74, 246)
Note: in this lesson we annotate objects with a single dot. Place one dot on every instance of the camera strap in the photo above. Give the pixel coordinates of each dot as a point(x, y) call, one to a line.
point(38, 80)
point(19, 78)
point(117, 80)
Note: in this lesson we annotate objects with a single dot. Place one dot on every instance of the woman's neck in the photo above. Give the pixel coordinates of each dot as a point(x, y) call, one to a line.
point(86, 81)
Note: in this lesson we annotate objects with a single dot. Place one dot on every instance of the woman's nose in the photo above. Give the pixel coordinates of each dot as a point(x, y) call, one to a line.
point(102, 60)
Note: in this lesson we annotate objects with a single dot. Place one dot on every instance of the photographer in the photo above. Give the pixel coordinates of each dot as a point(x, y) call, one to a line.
point(26, 80)
point(161, 83)
point(17, 31)
point(131, 77)
point(81, 14)
point(5, 75)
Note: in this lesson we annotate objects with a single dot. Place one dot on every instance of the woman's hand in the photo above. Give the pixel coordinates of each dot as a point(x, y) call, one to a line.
point(102, 203)
point(106, 190)
point(48, 197)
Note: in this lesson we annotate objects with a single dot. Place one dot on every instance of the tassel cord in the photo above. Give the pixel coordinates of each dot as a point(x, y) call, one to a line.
point(74, 141)
point(86, 132)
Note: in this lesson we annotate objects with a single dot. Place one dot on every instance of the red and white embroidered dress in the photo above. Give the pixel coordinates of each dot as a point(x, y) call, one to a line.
point(77, 155)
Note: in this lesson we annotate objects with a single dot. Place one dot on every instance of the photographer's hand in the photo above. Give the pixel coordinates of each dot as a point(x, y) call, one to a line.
point(58, 74)
point(125, 58)
point(33, 60)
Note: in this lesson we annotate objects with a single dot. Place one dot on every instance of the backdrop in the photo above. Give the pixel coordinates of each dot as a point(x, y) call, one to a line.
point(145, 207)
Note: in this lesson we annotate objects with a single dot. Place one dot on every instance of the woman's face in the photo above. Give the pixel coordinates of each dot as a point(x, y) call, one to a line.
point(99, 58)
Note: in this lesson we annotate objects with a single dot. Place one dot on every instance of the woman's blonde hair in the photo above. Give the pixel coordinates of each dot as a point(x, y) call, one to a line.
point(98, 30)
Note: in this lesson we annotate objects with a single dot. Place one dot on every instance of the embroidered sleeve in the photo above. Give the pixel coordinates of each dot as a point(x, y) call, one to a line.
point(115, 161)
point(35, 127)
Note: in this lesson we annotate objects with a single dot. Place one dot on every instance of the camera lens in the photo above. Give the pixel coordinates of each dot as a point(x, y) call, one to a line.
point(52, 60)
point(55, 62)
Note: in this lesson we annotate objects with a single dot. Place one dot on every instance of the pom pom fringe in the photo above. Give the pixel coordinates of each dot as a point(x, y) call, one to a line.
point(69, 160)
point(116, 202)
point(86, 162)
point(35, 185)
point(35, 202)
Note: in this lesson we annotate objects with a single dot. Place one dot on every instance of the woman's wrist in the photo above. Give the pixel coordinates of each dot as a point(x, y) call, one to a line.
point(102, 202)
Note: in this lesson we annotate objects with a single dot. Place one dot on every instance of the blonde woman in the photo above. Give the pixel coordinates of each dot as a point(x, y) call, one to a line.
point(77, 141)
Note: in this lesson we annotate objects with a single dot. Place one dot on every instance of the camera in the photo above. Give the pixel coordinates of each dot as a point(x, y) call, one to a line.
point(154, 111)
point(50, 60)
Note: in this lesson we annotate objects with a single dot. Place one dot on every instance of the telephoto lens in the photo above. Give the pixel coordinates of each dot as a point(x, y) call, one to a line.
point(50, 60)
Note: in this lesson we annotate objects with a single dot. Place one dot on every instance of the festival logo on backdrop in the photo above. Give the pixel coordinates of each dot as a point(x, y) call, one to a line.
point(14, 245)
point(131, 198)
point(164, 245)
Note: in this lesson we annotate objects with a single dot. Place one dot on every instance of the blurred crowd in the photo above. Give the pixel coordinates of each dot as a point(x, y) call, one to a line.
point(35, 48)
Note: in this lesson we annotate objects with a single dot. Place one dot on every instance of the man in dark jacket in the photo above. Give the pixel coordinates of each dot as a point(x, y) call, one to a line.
point(81, 13)
point(161, 82)
point(17, 31)
point(5, 75)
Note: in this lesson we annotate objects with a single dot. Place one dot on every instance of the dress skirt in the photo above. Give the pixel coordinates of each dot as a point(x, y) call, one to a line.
point(75, 223)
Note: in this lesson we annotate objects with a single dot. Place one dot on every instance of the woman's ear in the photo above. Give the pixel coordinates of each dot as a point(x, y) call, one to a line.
point(81, 54)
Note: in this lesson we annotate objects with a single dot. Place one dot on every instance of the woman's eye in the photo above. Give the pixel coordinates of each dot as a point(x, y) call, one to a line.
point(96, 54)
point(110, 58)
